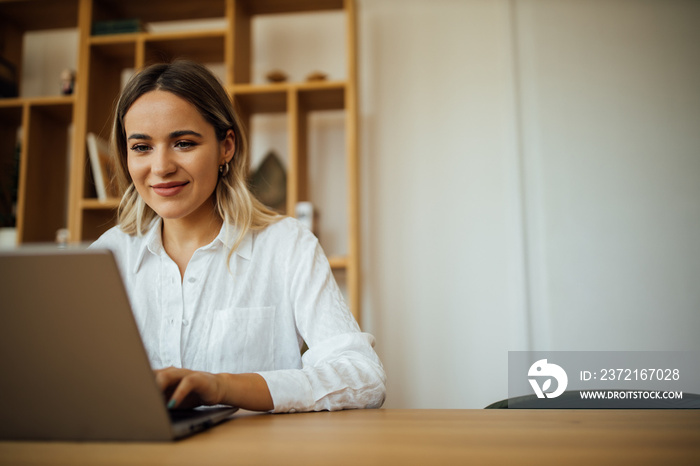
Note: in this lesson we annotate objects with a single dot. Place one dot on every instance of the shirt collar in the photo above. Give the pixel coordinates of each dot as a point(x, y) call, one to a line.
point(227, 236)
point(153, 242)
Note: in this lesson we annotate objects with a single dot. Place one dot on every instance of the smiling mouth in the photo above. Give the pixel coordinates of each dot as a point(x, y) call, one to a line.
point(169, 189)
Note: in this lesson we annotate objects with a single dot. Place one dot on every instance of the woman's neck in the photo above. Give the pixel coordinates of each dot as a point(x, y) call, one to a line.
point(182, 237)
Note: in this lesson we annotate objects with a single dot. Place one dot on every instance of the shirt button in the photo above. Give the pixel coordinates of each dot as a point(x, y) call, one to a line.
point(191, 279)
point(185, 322)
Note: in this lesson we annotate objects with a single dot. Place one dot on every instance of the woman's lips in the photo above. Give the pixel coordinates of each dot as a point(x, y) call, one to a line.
point(169, 189)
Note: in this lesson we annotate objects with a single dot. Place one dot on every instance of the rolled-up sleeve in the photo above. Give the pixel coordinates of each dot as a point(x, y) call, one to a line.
point(342, 372)
point(341, 369)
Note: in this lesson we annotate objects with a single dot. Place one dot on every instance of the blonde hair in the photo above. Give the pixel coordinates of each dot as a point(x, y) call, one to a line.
point(196, 84)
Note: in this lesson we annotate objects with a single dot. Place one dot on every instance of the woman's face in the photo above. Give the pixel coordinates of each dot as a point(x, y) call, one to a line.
point(173, 155)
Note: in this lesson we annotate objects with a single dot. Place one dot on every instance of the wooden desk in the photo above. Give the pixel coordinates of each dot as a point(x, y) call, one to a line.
point(389, 437)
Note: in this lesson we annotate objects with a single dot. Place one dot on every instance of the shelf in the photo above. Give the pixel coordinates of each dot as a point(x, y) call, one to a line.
point(308, 86)
point(262, 7)
point(49, 100)
point(109, 39)
point(96, 204)
point(11, 102)
point(133, 37)
point(58, 108)
point(338, 262)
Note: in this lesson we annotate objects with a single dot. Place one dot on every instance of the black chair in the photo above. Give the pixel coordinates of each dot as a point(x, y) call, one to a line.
point(573, 400)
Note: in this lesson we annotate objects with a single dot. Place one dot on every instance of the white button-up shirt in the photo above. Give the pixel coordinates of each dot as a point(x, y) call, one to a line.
point(252, 313)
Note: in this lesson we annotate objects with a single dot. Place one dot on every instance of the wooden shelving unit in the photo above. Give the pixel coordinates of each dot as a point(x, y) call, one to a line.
point(39, 124)
point(55, 192)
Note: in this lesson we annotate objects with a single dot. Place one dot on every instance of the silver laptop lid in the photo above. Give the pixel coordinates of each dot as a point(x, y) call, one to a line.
point(72, 360)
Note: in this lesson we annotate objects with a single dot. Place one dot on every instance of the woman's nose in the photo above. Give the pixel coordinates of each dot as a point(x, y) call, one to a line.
point(163, 163)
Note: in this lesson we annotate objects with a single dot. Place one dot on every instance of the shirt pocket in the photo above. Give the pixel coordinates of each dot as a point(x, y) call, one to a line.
point(241, 340)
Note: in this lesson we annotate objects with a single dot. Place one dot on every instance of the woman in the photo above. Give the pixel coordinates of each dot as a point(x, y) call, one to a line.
point(224, 291)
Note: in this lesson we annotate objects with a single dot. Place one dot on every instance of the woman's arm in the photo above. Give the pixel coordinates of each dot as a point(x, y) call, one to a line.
point(187, 389)
point(340, 369)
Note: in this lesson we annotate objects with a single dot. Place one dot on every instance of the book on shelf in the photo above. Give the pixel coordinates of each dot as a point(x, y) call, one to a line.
point(102, 168)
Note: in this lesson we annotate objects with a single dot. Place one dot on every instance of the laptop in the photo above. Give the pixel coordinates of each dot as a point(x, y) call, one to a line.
point(72, 361)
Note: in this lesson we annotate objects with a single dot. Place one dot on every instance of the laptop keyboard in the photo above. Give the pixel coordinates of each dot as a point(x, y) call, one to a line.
point(177, 415)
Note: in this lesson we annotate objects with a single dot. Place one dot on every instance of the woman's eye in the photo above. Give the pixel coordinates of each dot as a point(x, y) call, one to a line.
point(185, 144)
point(140, 148)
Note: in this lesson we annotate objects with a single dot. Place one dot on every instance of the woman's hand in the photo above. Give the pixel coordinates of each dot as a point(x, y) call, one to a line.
point(187, 389)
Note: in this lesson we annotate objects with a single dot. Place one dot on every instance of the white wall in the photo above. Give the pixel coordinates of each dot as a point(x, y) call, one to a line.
point(611, 131)
point(531, 180)
point(443, 268)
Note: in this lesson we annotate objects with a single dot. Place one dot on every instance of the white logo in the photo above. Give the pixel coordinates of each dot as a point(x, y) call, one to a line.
point(542, 369)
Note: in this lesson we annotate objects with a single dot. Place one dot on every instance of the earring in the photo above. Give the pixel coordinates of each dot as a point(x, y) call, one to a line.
point(223, 169)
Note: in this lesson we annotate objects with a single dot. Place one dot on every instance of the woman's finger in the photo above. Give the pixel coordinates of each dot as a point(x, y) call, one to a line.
point(170, 376)
point(197, 388)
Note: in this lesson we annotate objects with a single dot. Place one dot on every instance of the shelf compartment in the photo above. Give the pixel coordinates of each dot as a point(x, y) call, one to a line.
point(97, 221)
point(115, 48)
point(10, 123)
point(59, 108)
point(41, 14)
point(276, 34)
point(11, 112)
point(43, 201)
point(323, 164)
point(252, 99)
point(108, 60)
point(202, 46)
point(322, 96)
point(97, 217)
point(272, 98)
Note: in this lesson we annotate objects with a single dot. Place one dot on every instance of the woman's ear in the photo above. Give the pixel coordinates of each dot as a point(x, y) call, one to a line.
point(228, 147)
